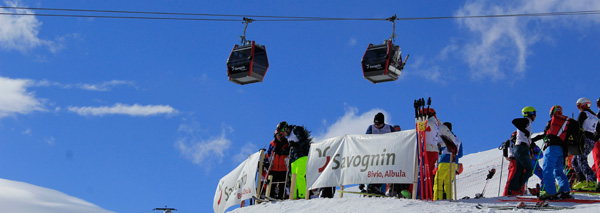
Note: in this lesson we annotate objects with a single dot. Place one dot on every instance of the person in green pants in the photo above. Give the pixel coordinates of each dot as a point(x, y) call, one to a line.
point(299, 139)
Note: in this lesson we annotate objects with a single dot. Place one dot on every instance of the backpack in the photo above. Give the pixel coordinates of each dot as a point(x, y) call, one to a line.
point(575, 140)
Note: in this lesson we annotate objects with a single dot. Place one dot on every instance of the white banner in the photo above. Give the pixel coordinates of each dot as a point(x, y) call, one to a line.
point(354, 159)
point(238, 185)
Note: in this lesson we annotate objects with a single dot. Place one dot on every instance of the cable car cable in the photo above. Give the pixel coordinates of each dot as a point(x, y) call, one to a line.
point(269, 18)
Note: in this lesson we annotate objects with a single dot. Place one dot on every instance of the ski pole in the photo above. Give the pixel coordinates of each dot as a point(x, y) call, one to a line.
point(289, 167)
point(500, 182)
point(449, 194)
point(417, 106)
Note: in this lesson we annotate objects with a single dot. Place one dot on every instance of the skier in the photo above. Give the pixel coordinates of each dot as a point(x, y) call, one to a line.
point(378, 127)
point(524, 168)
point(436, 135)
point(596, 151)
point(443, 178)
point(588, 121)
point(278, 152)
point(554, 135)
point(536, 155)
point(299, 139)
point(508, 153)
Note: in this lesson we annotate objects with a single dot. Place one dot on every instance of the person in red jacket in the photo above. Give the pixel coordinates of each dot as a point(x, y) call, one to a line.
point(596, 153)
point(277, 153)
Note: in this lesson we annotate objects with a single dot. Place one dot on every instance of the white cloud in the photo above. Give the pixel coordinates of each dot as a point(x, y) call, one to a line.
point(352, 41)
point(244, 152)
point(50, 140)
point(352, 123)
point(14, 98)
point(27, 132)
point(193, 147)
point(428, 70)
point(102, 87)
point(501, 44)
point(123, 109)
point(21, 32)
point(105, 86)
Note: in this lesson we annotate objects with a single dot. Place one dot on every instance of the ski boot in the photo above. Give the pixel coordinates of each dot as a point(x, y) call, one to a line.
point(579, 185)
point(564, 195)
point(590, 186)
point(546, 196)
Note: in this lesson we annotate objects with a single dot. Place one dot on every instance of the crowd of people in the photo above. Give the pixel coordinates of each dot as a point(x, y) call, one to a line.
point(287, 155)
point(565, 141)
point(566, 144)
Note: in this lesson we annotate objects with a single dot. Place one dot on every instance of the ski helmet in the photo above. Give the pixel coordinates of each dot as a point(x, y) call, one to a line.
point(584, 103)
point(598, 102)
point(528, 111)
point(556, 109)
point(281, 127)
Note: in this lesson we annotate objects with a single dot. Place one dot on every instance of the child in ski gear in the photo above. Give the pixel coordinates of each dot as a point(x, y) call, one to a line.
point(277, 153)
point(554, 135)
point(378, 127)
point(588, 121)
point(299, 139)
point(444, 177)
point(508, 152)
point(536, 155)
point(524, 168)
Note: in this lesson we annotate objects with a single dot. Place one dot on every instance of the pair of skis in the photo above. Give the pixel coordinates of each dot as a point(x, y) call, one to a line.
point(540, 205)
point(421, 117)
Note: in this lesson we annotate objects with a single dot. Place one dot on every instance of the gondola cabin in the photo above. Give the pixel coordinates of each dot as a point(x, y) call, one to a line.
point(382, 63)
point(247, 64)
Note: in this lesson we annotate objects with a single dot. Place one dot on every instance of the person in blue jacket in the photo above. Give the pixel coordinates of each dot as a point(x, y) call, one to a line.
point(554, 136)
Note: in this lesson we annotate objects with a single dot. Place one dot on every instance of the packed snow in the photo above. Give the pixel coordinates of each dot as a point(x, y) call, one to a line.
point(469, 183)
point(23, 197)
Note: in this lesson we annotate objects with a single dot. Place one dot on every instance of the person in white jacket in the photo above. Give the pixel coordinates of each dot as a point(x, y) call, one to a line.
point(436, 136)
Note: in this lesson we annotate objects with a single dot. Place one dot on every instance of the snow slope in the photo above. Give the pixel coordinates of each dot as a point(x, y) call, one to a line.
point(470, 182)
point(23, 197)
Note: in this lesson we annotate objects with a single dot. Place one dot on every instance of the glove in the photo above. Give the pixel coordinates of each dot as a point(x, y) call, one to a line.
point(537, 138)
point(460, 169)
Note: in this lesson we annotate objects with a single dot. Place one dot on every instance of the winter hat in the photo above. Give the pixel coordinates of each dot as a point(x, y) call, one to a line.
point(379, 118)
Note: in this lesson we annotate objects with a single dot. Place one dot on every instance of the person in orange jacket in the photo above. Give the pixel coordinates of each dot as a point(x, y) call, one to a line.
point(277, 153)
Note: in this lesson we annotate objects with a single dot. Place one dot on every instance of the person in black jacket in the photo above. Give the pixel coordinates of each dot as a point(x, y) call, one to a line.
point(299, 139)
point(523, 144)
point(588, 121)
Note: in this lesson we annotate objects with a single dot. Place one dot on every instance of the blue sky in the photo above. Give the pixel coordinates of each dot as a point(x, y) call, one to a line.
point(137, 114)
